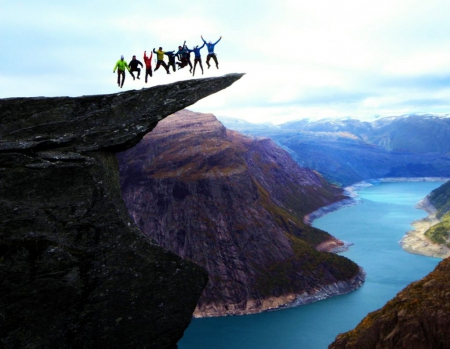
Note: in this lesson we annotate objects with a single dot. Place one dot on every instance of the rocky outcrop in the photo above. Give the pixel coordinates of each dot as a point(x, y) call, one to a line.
point(416, 318)
point(234, 205)
point(75, 271)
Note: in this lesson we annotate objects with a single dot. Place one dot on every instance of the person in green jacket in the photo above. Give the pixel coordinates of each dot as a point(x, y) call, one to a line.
point(121, 65)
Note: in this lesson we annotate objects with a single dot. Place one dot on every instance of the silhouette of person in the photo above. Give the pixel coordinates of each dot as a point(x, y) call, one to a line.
point(198, 57)
point(160, 60)
point(121, 65)
point(184, 57)
point(211, 53)
point(148, 65)
point(172, 57)
point(134, 66)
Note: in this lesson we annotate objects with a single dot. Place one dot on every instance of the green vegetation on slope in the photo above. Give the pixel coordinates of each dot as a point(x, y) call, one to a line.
point(440, 233)
point(440, 199)
point(304, 271)
point(416, 318)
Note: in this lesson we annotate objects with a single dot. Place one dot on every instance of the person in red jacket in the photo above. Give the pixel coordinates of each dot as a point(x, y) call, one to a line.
point(148, 65)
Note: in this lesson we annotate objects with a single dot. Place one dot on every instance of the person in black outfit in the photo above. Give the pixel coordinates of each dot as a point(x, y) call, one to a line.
point(172, 57)
point(134, 63)
point(184, 57)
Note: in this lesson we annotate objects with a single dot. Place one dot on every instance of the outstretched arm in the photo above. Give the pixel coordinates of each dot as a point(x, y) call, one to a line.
point(154, 50)
point(203, 39)
point(218, 40)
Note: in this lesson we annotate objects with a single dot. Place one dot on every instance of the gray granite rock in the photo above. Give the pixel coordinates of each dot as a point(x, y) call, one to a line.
point(75, 272)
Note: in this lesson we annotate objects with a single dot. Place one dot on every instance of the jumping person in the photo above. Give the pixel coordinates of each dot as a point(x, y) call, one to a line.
point(182, 61)
point(160, 60)
point(184, 57)
point(172, 57)
point(148, 65)
point(134, 63)
point(121, 65)
point(198, 57)
point(211, 53)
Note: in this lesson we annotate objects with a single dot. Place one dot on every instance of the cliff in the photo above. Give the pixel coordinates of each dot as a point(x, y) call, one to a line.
point(416, 318)
point(75, 271)
point(234, 205)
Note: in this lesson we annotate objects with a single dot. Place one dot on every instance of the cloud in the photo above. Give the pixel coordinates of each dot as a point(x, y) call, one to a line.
point(301, 58)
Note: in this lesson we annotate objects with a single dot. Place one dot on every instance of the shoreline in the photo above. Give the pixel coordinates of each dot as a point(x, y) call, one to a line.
point(290, 300)
point(353, 197)
point(415, 241)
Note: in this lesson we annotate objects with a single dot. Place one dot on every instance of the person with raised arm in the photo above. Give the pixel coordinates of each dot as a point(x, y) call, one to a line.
point(160, 60)
point(198, 57)
point(148, 65)
point(211, 53)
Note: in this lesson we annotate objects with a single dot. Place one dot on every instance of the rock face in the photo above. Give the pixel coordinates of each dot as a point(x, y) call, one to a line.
point(234, 205)
point(416, 318)
point(75, 272)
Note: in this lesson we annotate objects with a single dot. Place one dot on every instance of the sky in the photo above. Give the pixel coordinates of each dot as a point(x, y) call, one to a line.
point(301, 58)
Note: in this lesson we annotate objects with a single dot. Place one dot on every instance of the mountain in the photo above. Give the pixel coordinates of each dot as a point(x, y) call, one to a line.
point(235, 205)
point(420, 134)
point(75, 271)
point(416, 318)
point(346, 151)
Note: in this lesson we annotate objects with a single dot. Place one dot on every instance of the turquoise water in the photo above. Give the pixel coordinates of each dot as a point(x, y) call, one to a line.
point(375, 226)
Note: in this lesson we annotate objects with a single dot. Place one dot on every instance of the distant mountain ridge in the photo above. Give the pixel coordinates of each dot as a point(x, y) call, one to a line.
point(234, 205)
point(348, 151)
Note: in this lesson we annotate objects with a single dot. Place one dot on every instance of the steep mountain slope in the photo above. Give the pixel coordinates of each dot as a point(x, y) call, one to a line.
point(235, 206)
point(440, 199)
point(416, 318)
point(348, 151)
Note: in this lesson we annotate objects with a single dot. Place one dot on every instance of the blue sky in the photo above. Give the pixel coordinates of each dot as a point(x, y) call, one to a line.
point(302, 58)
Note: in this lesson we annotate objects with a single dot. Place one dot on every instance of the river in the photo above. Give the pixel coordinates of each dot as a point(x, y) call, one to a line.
point(374, 225)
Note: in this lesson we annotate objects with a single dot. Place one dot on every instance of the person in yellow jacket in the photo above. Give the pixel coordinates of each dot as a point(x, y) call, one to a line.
point(121, 65)
point(160, 60)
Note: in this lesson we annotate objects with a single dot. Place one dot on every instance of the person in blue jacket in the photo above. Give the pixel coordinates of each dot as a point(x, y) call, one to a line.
point(198, 57)
point(211, 53)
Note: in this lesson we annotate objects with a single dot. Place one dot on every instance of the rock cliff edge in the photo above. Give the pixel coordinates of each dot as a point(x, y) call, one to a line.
point(75, 271)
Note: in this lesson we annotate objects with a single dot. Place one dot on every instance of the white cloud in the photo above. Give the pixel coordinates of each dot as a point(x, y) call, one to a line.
point(303, 58)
